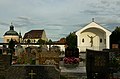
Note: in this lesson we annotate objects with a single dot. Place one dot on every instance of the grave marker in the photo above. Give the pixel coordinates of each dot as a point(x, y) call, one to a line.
point(97, 64)
point(4, 64)
point(32, 72)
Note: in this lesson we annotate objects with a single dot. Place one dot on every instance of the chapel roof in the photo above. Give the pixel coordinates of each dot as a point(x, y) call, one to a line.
point(33, 34)
point(93, 24)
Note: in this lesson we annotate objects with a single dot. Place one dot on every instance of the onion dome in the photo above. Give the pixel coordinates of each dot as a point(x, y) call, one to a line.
point(11, 31)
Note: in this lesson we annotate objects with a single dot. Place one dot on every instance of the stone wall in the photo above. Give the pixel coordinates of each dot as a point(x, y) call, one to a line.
point(32, 72)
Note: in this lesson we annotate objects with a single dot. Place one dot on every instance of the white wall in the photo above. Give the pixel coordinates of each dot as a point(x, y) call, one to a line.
point(62, 47)
point(9, 37)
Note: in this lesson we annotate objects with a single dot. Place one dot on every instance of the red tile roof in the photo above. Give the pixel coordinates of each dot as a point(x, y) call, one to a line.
point(33, 34)
point(62, 40)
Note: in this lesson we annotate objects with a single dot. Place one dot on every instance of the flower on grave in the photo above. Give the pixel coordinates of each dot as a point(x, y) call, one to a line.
point(71, 60)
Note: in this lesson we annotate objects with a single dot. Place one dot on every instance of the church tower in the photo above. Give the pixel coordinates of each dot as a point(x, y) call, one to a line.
point(11, 34)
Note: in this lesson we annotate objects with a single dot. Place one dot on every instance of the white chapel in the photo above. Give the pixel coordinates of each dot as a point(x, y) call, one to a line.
point(93, 36)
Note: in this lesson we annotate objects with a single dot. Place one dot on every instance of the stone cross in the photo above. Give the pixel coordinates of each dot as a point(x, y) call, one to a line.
point(32, 74)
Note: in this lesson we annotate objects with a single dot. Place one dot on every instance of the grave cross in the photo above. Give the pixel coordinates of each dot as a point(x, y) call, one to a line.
point(32, 74)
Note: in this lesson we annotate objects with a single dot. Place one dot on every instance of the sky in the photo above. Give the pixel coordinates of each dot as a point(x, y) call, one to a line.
point(57, 17)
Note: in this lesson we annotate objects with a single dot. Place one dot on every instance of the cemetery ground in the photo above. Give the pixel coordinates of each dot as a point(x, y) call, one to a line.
point(40, 63)
point(37, 63)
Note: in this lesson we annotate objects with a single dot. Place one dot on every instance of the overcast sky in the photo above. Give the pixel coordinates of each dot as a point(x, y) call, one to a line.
point(57, 17)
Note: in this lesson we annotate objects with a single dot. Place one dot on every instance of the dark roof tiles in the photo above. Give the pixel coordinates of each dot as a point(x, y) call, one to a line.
point(33, 34)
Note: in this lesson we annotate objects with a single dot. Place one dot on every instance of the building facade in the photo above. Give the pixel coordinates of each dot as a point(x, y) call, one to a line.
point(93, 36)
point(34, 35)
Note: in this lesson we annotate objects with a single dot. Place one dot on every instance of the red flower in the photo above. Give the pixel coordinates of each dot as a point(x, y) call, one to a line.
point(71, 60)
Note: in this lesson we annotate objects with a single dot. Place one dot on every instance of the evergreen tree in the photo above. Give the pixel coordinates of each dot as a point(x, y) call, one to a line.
point(71, 50)
point(11, 45)
point(115, 37)
point(71, 40)
point(50, 41)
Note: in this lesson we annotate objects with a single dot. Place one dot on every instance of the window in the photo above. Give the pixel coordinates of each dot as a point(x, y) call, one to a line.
point(28, 41)
point(7, 40)
point(34, 41)
point(100, 40)
point(105, 41)
point(83, 40)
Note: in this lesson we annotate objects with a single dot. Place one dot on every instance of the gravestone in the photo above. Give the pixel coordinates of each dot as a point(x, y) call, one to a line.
point(72, 52)
point(97, 64)
point(18, 50)
point(49, 58)
point(114, 59)
point(8, 71)
point(115, 46)
point(4, 49)
point(44, 48)
point(4, 64)
point(55, 49)
point(28, 49)
point(1, 51)
point(32, 72)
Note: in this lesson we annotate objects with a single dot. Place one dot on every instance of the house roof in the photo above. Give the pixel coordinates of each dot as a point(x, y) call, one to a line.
point(62, 40)
point(33, 34)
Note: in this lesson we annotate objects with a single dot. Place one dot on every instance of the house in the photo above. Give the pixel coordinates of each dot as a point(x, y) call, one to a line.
point(34, 35)
point(93, 36)
point(61, 44)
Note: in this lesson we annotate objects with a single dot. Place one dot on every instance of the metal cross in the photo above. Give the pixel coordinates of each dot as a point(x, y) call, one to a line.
point(32, 74)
